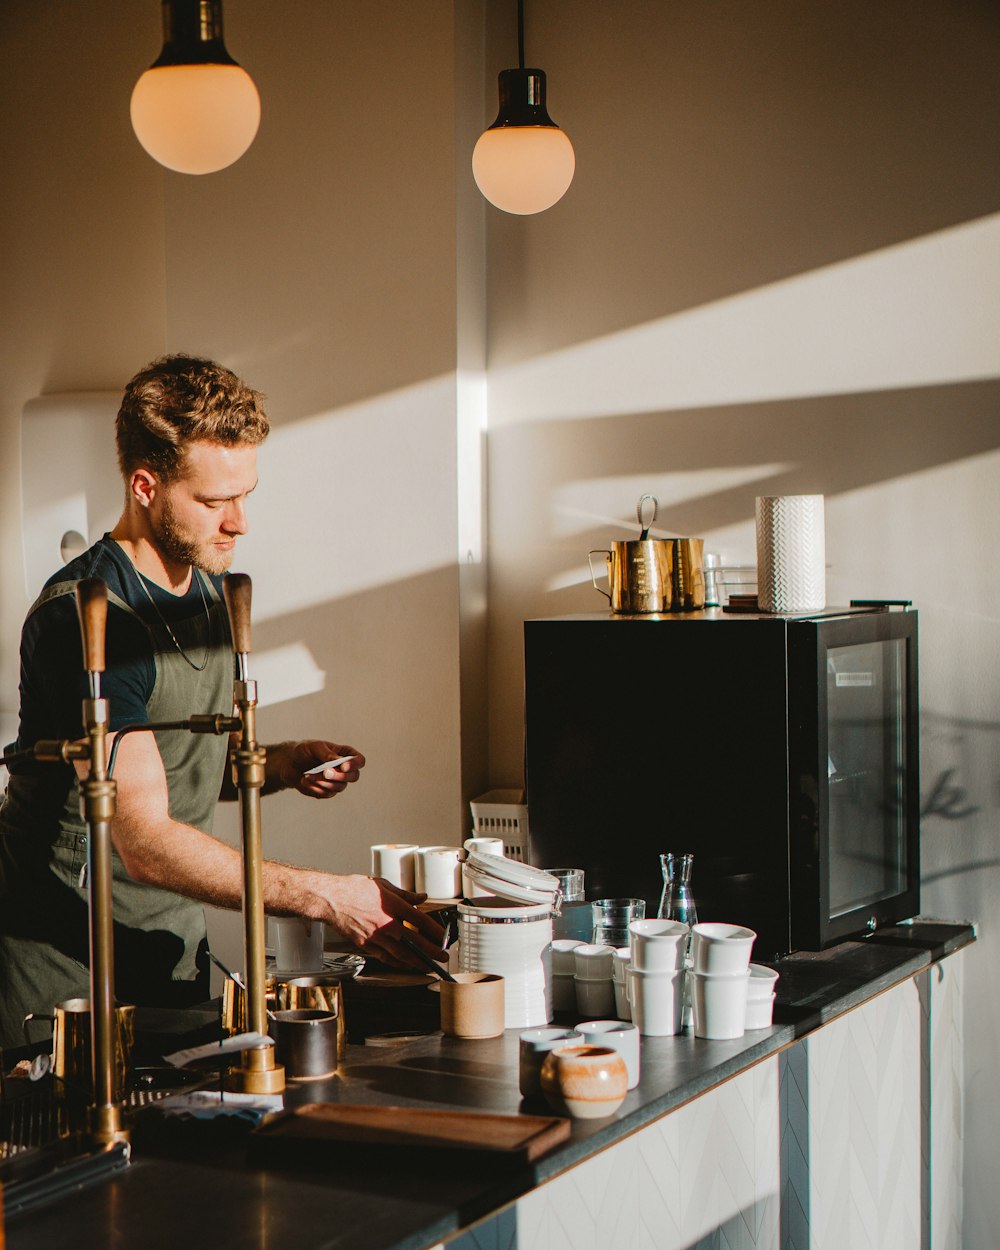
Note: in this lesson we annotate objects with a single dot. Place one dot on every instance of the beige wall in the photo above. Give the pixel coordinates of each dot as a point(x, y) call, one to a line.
point(775, 272)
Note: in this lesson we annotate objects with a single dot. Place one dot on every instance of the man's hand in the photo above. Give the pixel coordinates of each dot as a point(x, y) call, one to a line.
point(370, 913)
point(289, 764)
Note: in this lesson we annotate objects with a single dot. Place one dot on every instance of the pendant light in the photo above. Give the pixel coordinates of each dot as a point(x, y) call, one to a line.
point(524, 163)
point(195, 110)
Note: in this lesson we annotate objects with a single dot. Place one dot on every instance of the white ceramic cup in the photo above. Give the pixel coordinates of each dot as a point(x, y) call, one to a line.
point(594, 999)
point(533, 1046)
point(593, 962)
point(658, 945)
point(482, 846)
point(760, 1013)
point(439, 871)
point(563, 991)
point(657, 1000)
point(396, 862)
point(719, 1004)
point(760, 983)
point(623, 1008)
point(719, 949)
point(563, 955)
point(620, 963)
point(619, 1036)
point(298, 944)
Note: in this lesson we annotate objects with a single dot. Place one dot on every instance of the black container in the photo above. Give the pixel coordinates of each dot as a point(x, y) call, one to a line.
point(781, 751)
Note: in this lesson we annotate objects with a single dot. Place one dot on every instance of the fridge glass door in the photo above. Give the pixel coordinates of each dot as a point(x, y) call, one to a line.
point(866, 737)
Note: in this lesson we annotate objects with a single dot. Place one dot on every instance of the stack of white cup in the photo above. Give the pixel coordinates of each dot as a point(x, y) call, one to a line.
point(595, 996)
point(720, 958)
point(563, 973)
point(656, 975)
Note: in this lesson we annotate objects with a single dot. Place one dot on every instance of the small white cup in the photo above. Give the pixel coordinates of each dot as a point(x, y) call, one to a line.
point(563, 955)
point(719, 1004)
point(621, 1037)
point(593, 962)
point(563, 991)
point(439, 871)
point(658, 945)
point(719, 949)
point(657, 1000)
point(620, 963)
point(396, 862)
point(623, 1008)
point(298, 944)
point(760, 1013)
point(533, 1046)
point(760, 983)
point(484, 846)
point(594, 999)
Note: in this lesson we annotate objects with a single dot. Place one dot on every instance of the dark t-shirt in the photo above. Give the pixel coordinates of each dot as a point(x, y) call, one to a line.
point(53, 680)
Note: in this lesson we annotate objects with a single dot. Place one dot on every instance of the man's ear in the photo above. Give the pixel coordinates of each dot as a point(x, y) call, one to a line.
point(142, 486)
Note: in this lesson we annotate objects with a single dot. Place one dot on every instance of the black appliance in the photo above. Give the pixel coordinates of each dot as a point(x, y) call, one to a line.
point(782, 751)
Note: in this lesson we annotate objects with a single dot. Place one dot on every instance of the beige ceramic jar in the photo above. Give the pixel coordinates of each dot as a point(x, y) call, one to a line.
point(587, 1082)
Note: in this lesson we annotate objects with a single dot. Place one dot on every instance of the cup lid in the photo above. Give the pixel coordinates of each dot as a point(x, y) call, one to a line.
point(509, 878)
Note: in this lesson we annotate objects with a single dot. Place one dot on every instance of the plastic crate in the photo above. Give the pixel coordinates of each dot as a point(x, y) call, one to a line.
point(503, 814)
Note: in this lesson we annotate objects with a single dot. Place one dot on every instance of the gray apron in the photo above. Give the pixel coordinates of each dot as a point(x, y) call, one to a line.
point(160, 940)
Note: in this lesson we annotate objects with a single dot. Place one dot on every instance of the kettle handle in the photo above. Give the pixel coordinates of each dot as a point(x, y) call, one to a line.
point(600, 551)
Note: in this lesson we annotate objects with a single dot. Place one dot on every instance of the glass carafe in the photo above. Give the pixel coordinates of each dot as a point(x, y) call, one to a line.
point(677, 901)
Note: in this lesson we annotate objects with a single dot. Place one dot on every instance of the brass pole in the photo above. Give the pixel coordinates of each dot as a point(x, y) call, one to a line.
point(259, 1073)
point(97, 800)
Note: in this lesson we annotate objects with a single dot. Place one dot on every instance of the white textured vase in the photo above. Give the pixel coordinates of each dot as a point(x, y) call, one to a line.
point(791, 553)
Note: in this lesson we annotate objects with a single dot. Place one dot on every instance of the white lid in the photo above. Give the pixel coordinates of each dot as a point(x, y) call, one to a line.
point(508, 878)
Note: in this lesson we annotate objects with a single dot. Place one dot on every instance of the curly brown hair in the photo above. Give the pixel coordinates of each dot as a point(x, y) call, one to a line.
point(178, 400)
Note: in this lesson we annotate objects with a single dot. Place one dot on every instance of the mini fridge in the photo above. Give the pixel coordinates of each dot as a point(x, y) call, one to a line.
point(781, 751)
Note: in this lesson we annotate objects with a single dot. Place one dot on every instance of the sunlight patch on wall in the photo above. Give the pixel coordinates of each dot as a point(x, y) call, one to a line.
point(69, 476)
point(284, 673)
point(919, 313)
point(353, 499)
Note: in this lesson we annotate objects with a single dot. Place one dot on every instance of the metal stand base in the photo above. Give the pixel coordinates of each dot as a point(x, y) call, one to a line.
point(257, 1080)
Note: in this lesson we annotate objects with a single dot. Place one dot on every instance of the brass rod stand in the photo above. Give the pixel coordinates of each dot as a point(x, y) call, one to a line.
point(98, 807)
point(259, 1073)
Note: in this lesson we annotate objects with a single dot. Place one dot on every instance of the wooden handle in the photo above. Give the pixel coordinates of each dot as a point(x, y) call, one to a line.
point(237, 589)
point(92, 608)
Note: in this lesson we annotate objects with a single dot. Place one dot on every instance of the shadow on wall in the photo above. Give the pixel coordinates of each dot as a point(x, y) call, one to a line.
point(757, 142)
point(830, 444)
point(826, 444)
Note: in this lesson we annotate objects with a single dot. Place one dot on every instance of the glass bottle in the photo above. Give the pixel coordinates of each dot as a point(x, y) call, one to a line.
point(677, 901)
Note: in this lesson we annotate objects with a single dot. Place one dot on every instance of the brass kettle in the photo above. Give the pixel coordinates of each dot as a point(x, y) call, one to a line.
point(653, 574)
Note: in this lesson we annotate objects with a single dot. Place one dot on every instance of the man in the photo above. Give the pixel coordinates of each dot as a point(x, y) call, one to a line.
point(187, 434)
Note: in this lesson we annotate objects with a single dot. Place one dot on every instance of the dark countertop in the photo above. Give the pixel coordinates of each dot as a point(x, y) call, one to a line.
point(193, 1183)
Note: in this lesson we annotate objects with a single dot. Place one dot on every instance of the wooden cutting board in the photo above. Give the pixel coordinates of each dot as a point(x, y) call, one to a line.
point(517, 1138)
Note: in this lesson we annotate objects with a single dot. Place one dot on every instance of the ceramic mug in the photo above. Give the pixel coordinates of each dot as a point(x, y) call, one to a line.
point(619, 1036)
point(533, 1047)
point(298, 944)
point(586, 1082)
point(472, 1005)
point(657, 1000)
point(395, 861)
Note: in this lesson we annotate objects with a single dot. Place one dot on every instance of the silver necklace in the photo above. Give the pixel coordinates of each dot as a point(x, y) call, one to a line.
point(198, 668)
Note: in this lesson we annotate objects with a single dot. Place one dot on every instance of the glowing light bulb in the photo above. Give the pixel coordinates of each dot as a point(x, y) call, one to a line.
point(523, 169)
point(195, 110)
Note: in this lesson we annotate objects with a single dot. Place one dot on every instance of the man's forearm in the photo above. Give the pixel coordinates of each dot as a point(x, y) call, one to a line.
point(187, 861)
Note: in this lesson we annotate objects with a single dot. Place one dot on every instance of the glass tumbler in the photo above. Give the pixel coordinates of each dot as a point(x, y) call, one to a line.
point(612, 917)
